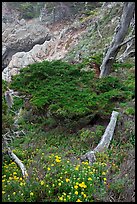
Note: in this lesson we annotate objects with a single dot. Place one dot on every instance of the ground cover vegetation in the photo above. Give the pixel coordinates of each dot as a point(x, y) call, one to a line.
point(60, 99)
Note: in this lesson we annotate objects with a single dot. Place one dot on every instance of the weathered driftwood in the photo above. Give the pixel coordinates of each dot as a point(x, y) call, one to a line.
point(18, 162)
point(9, 98)
point(119, 36)
point(9, 137)
point(129, 52)
point(105, 140)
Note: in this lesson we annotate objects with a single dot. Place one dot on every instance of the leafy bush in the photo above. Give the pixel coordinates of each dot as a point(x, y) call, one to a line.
point(130, 111)
point(65, 92)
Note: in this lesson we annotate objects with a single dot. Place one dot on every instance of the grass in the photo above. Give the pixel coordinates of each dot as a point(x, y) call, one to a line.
point(55, 172)
point(52, 175)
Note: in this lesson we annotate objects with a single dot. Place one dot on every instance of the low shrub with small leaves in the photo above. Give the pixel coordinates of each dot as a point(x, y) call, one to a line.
point(62, 91)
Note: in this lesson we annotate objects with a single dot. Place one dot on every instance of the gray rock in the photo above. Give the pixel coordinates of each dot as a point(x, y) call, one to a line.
point(18, 38)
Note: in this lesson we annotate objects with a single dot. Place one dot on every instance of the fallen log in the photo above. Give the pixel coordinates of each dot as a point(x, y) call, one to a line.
point(18, 162)
point(105, 140)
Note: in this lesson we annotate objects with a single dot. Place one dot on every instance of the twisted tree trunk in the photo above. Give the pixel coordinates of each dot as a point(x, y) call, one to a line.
point(121, 32)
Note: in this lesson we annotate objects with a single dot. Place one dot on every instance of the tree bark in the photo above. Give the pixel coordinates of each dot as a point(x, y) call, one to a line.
point(105, 140)
point(18, 161)
point(121, 32)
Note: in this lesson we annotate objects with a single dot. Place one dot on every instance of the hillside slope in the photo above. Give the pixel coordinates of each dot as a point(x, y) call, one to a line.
point(64, 110)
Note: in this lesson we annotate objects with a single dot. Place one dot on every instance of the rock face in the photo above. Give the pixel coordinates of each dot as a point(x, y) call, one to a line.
point(37, 45)
point(22, 36)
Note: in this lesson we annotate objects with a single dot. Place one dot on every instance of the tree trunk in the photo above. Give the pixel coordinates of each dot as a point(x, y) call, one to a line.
point(121, 32)
point(18, 161)
point(105, 140)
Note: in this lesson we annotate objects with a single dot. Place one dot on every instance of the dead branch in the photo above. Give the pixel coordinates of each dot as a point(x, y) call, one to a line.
point(127, 53)
point(18, 162)
point(126, 41)
point(9, 98)
point(97, 27)
point(105, 140)
point(119, 36)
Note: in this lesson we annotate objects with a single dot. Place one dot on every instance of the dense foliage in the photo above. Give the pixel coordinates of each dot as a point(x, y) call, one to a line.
point(62, 91)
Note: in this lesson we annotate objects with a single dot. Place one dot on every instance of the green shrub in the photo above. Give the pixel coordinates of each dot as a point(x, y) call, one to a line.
point(130, 111)
point(66, 92)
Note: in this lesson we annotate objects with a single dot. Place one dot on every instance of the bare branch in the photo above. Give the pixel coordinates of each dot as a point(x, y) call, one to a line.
point(9, 98)
point(127, 53)
point(105, 140)
point(126, 41)
point(117, 42)
point(18, 162)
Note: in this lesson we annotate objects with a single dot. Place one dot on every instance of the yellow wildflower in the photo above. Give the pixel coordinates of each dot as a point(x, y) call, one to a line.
point(67, 180)
point(42, 183)
point(89, 179)
point(31, 193)
point(59, 184)
point(75, 186)
point(105, 179)
point(58, 160)
point(103, 173)
point(20, 179)
point(105, 182)
point(76, 168)
point(68, 196)
point(91, 172)
point(3, 192)
point(76, 192)
point(57, 157)
point(3, 180)
point(60, 198)
point(52, 164)
point(84, 195)
point(14, 193)
point(21, 184)
point(48, 169)
point(82, 185)
point(78, 200)
point(15, 177)
point(14, 173)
